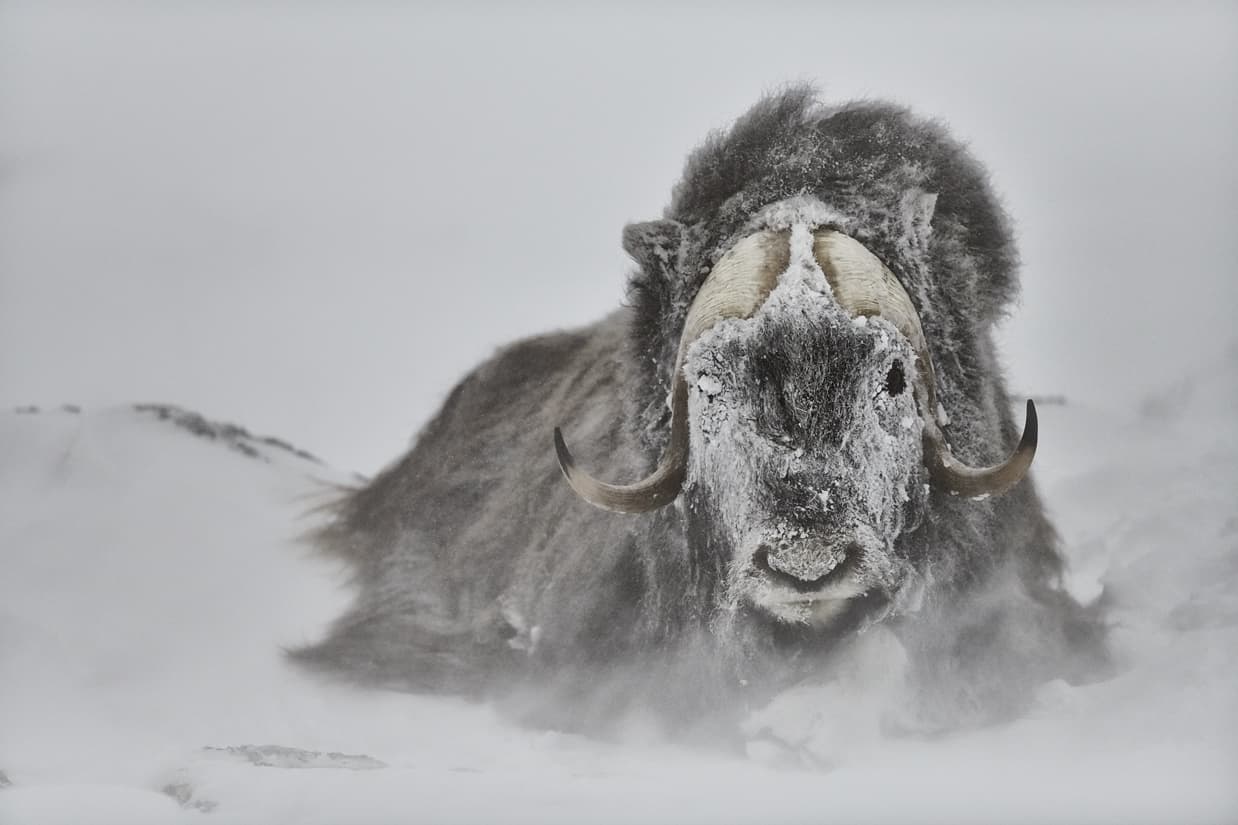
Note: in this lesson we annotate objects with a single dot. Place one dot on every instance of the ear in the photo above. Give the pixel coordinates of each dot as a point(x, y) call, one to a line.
point(918, 209)
point(654, 245)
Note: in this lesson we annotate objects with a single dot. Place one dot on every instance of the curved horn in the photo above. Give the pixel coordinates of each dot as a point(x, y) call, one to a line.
point(863, 285)
point(736, 287)
point(973, 482)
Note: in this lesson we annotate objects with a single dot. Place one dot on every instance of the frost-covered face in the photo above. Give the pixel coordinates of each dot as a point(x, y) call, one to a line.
point(804, 426)
point(805, 450)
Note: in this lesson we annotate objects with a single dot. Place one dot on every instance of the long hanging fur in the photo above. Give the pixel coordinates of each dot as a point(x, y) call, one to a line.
point(479, 572)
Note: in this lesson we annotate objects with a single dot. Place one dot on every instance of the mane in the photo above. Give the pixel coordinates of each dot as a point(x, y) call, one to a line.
point(862, 159)
point(897, 182)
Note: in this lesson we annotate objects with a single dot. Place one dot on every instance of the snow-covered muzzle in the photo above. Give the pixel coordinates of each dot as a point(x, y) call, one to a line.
point(805, 449)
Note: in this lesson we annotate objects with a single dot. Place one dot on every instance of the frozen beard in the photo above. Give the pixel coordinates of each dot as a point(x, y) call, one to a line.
point(805, 449)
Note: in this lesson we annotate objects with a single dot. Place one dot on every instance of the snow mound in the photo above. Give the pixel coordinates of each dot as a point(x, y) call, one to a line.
point(150, 575)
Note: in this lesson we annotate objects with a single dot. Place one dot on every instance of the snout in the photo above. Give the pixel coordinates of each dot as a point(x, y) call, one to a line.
point(806, 572)
point(814, 577)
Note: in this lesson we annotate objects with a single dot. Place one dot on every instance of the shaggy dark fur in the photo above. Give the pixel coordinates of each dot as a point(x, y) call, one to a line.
point(481, 573)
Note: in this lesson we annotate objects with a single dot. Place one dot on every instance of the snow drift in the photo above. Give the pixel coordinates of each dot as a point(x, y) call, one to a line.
point(150, 577)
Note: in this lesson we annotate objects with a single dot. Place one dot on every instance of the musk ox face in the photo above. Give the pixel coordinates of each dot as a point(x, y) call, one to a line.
point(804, 427)
point(806, 448)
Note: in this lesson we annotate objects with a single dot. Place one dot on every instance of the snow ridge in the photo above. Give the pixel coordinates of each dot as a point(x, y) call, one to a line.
point(230, 435)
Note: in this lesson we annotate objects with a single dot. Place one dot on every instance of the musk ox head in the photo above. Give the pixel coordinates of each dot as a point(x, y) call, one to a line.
point(791, 373)
point(803, 425)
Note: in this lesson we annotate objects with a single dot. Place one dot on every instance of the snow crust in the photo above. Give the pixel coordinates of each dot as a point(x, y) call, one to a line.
point(150, 577)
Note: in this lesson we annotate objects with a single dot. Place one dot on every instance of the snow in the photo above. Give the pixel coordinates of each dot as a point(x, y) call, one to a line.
point(261, 212)
point(797, 210)
point(709, 385)
point(152, 575)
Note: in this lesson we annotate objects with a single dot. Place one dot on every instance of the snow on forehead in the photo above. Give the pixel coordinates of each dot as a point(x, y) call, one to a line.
point(803, 292)
point(801, 209)
point(803, 283)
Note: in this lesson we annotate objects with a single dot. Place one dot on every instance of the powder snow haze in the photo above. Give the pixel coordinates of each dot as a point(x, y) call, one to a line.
point(142, 608)
point(311, 220)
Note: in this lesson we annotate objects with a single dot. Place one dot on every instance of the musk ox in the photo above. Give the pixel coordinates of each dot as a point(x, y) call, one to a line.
point(804, 394)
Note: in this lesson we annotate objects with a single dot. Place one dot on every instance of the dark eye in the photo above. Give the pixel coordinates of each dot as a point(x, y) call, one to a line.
point(896, 379)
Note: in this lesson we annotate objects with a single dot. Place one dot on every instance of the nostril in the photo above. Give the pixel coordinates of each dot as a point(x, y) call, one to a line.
point(761, 561)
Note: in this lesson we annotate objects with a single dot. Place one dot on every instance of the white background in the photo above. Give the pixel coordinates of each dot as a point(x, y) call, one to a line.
point(313, 218)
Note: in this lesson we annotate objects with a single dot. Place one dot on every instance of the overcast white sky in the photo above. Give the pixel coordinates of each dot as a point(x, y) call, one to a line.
point(312, 219)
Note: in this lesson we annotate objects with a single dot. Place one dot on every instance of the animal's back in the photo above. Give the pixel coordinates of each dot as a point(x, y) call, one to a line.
point(469, 550)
